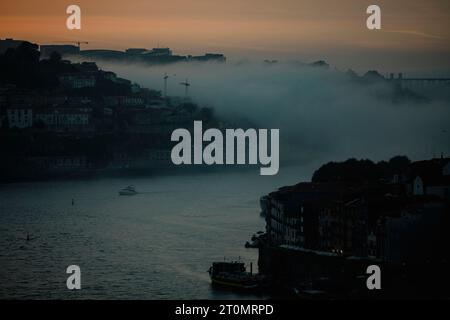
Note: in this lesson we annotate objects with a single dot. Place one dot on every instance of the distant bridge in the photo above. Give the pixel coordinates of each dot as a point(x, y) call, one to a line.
point(419, 82)
point(426, 79)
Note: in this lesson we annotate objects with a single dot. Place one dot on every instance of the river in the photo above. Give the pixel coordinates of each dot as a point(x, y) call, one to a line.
point(157, 244)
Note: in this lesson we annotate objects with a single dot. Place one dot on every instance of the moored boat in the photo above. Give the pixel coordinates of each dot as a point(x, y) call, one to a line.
point(234, 275)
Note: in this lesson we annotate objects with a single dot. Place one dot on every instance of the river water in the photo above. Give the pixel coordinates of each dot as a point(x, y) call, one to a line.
point(154, 245)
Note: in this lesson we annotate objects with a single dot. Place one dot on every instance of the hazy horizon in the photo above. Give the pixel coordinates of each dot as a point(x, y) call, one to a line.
point(415, 35)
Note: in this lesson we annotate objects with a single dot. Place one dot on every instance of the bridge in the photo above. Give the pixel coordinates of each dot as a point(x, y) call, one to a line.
point(419, 82)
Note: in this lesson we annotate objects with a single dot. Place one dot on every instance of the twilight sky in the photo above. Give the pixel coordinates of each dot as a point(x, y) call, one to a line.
point(415, 34)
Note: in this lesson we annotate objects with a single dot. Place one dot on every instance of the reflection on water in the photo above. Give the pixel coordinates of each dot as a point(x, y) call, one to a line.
point(155, 245)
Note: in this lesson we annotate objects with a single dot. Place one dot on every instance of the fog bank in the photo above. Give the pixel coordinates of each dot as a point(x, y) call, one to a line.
point(321, 114)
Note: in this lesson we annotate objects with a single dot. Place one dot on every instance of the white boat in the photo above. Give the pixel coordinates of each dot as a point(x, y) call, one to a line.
point(128, 191)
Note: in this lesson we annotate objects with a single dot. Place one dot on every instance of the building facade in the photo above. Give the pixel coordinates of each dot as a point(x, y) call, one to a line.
point(77, 81)
point(64, 119)
point(20, 117)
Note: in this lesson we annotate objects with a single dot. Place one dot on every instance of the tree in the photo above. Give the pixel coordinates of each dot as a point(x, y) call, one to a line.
point(353, 170)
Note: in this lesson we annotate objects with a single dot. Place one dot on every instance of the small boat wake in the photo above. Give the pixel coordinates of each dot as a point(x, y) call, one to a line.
point(128, 191)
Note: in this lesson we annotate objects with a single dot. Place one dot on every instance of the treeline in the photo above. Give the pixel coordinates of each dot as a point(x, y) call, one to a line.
point(364, 170)
point(22, 67)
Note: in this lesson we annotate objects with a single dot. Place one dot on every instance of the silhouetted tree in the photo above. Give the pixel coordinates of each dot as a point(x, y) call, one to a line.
point(353, 170)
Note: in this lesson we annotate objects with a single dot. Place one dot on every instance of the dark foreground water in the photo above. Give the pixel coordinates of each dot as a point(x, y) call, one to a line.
point(155, 245)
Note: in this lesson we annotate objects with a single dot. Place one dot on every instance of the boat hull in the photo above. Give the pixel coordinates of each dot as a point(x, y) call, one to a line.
point(234, 285)
point(127, 193)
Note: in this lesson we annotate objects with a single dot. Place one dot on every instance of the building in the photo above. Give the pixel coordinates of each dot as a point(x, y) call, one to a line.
point(158, 52)
point(430, 177)
point(63, 50)
point(131, 101)
point(77, 81)
point(415, 235)
point(292, 213)
point(324, 235)
point(343, 228)
point(124, 101)
point(61, 164)
point(155, 52)
point(439, 186)
point(152, 122)
point(136, 50)
point(210, 57)
point(19, 117)
point(338, 218)
point(108, 75)
point(88, 67)
point(150, 56)
point(64, 119)
point(372, 246)
point(103, 54)
point(3, 122)
point(10, 43)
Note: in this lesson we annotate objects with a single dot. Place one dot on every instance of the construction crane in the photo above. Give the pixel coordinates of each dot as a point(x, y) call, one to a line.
point(186, 85)
point(165, 84)
point(77, 42)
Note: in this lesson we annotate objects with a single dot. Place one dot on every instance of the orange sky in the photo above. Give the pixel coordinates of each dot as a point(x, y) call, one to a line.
point(415, 33)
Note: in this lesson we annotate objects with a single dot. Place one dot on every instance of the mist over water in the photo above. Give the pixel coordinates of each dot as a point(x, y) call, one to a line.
point(322, 115)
